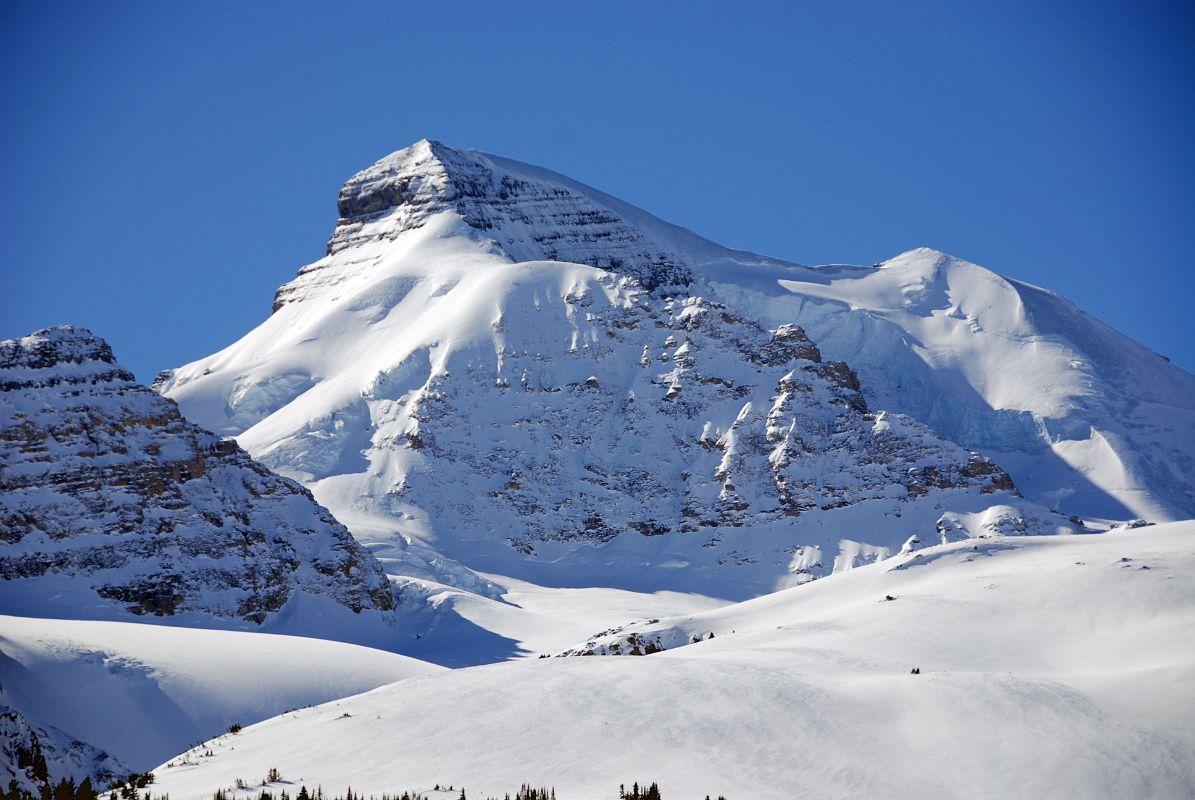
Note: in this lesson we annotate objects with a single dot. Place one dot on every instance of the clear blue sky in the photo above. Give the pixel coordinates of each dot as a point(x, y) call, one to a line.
point(166, 165)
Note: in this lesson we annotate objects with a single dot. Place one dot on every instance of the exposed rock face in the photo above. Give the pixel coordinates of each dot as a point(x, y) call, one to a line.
point(1083, 418)
point(720, 425)
point(107, 493)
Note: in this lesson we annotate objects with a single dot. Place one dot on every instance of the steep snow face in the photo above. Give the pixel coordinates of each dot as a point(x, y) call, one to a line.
point(1049, 667)
point(144, 693)
point(113, 505)
point(1084, 419)
point(558, 423)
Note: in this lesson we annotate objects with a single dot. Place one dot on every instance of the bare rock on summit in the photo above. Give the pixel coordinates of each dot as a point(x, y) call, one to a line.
point(527, 214)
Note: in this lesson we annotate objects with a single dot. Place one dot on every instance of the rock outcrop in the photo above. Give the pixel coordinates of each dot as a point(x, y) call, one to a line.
point(113, 505)
point(525, 213)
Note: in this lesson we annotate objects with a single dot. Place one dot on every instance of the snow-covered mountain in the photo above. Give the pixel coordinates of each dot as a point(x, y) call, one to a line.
point(1084, 419)
point(1050, 666)
point(456, 399)
point(112, 506)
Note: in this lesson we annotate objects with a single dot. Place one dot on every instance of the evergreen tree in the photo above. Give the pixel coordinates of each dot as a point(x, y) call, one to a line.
point(65, 790)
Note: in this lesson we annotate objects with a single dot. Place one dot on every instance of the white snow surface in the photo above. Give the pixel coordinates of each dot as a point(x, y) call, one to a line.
point(146, 692)
point(1050, 667)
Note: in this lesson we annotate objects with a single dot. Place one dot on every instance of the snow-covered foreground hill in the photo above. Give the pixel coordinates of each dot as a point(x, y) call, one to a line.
point(146, 692)
point(1049, 667)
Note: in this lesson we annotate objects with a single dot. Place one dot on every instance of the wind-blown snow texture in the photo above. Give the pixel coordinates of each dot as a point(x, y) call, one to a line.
point(456, 399)
point(114, 506)
point(1084, 419)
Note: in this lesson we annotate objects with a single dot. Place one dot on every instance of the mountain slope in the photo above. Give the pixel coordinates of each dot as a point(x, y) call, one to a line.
point(1050, 667)
point(112, 506)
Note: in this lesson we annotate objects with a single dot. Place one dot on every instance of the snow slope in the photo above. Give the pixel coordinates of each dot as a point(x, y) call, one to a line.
point(146, 692)
point(518, 619)
point(1050, 667)
point(1084, 419)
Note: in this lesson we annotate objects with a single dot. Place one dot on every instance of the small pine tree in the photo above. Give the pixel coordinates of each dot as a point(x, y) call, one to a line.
point(65, 790)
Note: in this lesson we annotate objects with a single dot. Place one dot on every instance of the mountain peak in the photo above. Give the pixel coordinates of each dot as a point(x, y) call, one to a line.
point(57, 345)
point(413, 175)
point(526, 213)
